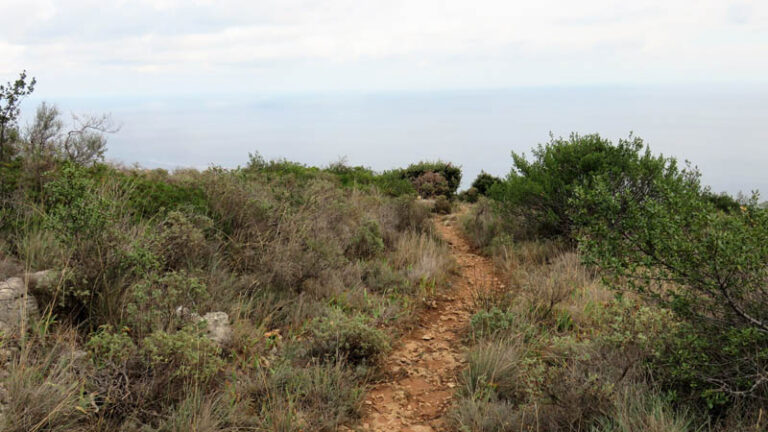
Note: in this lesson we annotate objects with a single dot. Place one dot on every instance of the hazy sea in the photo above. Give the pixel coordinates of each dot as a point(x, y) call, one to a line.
point(721, 129)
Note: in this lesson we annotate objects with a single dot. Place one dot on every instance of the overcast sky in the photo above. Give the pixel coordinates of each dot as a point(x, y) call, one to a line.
point(172, 47)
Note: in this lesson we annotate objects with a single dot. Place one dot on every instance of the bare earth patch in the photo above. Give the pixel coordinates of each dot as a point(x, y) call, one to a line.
point(423, 367)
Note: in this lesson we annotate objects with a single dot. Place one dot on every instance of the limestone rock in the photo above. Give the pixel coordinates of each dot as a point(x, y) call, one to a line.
point(16, 304)
point(45, 280)
point(217, 324)
point(219, 329)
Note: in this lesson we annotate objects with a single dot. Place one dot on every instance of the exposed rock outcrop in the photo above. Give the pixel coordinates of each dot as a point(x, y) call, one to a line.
point(16, 304)
point(217, 324)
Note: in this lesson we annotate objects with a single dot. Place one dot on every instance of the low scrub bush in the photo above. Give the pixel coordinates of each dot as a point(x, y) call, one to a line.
point(481, 224)
point(435, 178)
point(318, 397)
point(337, 337)
point(493, 323)
point(424, 259)
point(495, 371)
point(45, 390)
point(643, 411)
point(442, 205)
point(484, 182)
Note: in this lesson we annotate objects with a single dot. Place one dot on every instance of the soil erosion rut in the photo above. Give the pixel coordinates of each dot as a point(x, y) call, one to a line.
point(423, 367)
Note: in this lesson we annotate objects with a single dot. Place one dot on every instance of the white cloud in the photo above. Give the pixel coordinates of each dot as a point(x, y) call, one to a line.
point(175, 45)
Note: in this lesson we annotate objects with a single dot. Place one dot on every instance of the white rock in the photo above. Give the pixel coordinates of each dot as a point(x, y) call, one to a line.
point(16, 304)
point(218, 326)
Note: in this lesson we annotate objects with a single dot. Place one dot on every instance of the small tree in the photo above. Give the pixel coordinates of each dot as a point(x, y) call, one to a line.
point(657, 231)
point(483, 183)
point(86, 142)
point(11, 96)
point(539, 191)
point(39, 147)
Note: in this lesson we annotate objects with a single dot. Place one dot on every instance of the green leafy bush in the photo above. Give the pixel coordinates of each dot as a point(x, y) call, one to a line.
point(539, 191)
point(339, 337)
point(431, 184)
point(484, 182)
point(75, 207)
point(150, 194)
point(152, 303)
point(182, 239)
point(185, 356)
point(493, 322)
point(367, 242)
point(446, 171)
point(658, 234)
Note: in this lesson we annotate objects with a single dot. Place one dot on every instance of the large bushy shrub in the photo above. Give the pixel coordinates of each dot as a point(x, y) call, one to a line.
point(451, 174)
point(539, 191)
point(655, 230)
point(484, 182)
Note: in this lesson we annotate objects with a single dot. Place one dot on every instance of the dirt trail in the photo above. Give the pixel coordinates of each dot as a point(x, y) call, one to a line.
point(423, 367)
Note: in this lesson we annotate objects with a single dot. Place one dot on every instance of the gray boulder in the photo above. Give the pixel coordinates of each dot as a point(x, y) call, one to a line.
point(16, 304)
point(217, 324)
point(219, 329)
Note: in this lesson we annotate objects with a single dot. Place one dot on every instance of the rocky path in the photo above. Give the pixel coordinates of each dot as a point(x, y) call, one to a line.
point(423, 367)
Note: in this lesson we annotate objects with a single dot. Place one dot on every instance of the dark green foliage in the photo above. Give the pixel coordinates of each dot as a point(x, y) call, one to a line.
point(74, 206)
point(11, 176)
point(150, 194)
point(655, 230)
point(722, 201)
point(449, 172)
point(483, 183)
point(389, 182)
point(540, 190)
point(470, 195)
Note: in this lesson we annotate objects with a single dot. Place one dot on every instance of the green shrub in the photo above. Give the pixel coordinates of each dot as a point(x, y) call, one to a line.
point(337, 337)
point(390, 182)
point(75, 207)
point(367, 242)
point(149, 195)
point(484, 182)
point(495, 371)
point(494, 322)
point(540, 191)
point(186, 356)
point(182, 239)
point(442, 205)
point(152, 303)
point(431, 184)
point(707, 266)
point(111, 349)
point(447, 171)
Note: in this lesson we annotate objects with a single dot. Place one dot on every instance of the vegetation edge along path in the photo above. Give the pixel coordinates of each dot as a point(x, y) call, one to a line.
point(422, 369)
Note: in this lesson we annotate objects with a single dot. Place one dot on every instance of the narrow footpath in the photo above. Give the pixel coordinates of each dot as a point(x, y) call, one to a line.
point(422, 369)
